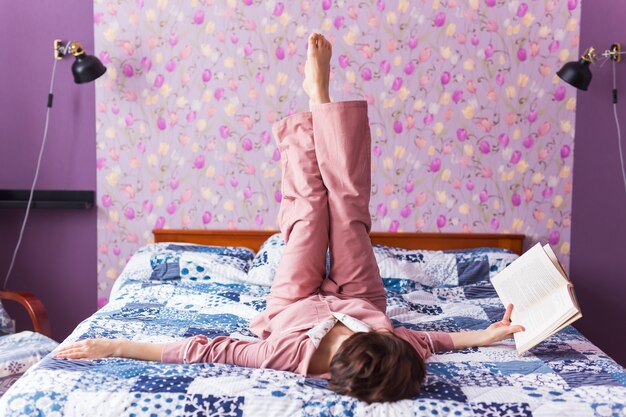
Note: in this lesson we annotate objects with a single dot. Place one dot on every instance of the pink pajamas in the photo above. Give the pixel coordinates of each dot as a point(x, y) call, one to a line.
point(326, 193)
point(326, 189)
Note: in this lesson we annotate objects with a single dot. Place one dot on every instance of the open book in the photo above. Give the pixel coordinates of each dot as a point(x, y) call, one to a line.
point(541, 293)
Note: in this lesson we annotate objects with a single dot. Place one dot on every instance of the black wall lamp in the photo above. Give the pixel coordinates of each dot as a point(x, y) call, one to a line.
point(86, 68)
point(578, 73)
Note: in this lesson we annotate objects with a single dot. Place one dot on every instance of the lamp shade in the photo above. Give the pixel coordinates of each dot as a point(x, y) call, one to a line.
point(87, 68)
point(577, 74)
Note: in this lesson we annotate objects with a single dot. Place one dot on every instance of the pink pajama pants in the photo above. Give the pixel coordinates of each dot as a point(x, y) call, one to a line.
point(326, 185)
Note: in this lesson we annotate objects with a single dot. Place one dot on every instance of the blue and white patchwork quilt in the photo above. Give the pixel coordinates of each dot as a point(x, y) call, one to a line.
point(171, 291)
point(20, 351)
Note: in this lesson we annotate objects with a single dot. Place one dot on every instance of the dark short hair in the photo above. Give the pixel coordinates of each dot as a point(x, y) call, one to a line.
point(376, 366)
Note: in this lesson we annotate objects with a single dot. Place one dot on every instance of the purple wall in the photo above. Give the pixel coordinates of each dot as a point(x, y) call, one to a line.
point(598, 261)
point(57, 260)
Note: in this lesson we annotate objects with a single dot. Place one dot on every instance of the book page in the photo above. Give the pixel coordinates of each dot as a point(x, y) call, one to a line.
point(528, 280)
point(575, 317)
point(548, 249)
point(544, 318)
point(556, 263)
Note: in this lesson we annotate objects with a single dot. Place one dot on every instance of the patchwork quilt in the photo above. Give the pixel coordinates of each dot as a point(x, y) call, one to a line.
point(171, 291)
point(20, 351)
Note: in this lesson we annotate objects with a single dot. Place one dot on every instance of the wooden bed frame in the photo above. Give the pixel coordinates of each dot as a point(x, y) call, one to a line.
point(253, 239)
point(34, 307)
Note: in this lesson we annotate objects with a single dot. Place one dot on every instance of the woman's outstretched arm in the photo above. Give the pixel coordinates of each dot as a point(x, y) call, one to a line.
point(494, 333)
point(428, 343)
point(104, 348)
point(195, 349)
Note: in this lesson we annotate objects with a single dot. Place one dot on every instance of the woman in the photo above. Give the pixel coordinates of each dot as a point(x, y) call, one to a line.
point(331, 326)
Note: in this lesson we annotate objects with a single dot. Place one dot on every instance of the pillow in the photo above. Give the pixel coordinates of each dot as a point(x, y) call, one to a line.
point(188, 262)
point(20, 351)
point(7, 324)
point(431, 268)
point(442, 268)
point(265, 263)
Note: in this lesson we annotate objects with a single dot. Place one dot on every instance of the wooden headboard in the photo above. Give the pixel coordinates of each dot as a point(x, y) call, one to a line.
point(253, 239)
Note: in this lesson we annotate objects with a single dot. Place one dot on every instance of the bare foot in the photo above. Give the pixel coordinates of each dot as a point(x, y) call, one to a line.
point(317, 69)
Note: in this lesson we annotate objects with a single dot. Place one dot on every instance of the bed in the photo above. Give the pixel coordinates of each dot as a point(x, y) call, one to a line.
point(208, 282)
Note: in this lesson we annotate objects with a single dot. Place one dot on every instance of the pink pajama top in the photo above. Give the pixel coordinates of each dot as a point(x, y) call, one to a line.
point(290, 335)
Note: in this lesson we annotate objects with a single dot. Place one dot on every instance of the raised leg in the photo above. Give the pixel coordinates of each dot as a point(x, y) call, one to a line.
point(303, 214)
point(342, 145)
point(303, 219)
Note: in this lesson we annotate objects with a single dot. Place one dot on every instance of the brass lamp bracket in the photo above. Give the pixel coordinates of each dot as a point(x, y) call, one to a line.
point(589, 55)
point(615, 52)
point(61, 49)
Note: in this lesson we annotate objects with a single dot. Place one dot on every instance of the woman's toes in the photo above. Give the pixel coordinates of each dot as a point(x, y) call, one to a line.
point(324, 43)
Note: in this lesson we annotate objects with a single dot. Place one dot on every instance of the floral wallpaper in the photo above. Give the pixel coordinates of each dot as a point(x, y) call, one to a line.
point(472, 131)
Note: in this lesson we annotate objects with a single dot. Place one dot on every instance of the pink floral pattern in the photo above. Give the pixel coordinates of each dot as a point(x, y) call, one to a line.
point(471, 130)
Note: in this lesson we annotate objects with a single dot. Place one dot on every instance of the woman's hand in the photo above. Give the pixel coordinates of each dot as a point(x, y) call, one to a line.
point(89, 349)
point(502, 329)
point(494, 333)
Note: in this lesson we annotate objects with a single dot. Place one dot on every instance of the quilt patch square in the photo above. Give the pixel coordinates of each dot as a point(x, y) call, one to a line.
point(620, 377)
point(441, 390)
point(138, 311)
point(316, 382)
point(427, 309)
point(165, 267)
point(213, 406)
point(38, 403)
point(583, 378)
point(228, 322)
point(476, 292)
point(471, 272)
point(330, 405)
point(104, 327)
point(210, 333)
point(468, 323)
point(148, 383)
point(552, 349)
point(230, 251)
point(98, 381)
point(126, 369)
point(608, 409)
point(425, 407)
point(453, 294)
point(258, 305)
point(494, 312)
point(498, 409)
point(142, 404)
point(399, 285)
point(49, 363)
point(467, 374)
point(540, 386)
point(157, 329)
point(198, 302)
point(81, 402)
point(518, 367)
point(482, 380)
point(444, 325)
